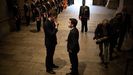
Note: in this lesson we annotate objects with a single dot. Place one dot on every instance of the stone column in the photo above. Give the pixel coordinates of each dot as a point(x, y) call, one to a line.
point(112, 4)
point(4, 25)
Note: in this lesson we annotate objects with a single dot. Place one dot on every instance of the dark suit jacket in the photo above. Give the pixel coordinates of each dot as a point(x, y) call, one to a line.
point(84, 12)
point(50, 33)
point(73, 38)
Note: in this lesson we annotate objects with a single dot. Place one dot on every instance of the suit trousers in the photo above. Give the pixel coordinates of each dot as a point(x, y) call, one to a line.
point(38, 25)
point(84, 25)
point(74, 63)
point(27, 20)
point(49, 58)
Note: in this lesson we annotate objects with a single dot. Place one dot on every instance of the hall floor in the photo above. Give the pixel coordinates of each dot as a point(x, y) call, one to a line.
point(23, 53)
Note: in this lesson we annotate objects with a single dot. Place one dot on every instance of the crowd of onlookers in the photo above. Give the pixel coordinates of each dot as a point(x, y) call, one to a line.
point(35, 11)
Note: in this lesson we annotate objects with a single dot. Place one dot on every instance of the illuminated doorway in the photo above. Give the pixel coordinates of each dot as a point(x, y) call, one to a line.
point(79, 2)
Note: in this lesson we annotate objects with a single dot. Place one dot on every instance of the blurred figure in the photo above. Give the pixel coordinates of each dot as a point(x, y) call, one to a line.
point(115, 24)
point(70, 2)
point(124, 28)
point(33, 7)
point(27, 12)
point(50, 30)
point(38, 18)
point(18, 22)
point(16, 12)
point(102, 36)
point(73, 46)
point(84, 16)
point(100, 32)
point(44, 13)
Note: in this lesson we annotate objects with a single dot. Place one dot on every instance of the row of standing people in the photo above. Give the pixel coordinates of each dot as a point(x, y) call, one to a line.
point(40, 9)
point(35, 11)
point(112, 33)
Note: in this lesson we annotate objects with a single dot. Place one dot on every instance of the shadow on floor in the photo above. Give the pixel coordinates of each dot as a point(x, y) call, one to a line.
point(60, 62)
point(82, 67)
point(33, 31)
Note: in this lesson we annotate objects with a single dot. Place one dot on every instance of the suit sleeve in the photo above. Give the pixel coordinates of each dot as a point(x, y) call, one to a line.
point(48, 30)
point(80, 11)
point(88, 13)
point(73, 41)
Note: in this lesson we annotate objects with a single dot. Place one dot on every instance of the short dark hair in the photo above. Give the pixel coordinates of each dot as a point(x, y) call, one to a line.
point(73, 21)
point(52, 13)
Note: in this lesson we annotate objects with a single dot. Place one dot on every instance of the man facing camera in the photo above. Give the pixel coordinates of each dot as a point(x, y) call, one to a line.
point(84, 16)
point(73, 46)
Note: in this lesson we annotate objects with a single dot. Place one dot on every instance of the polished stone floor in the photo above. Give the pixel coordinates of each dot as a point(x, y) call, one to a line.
point(23, 53)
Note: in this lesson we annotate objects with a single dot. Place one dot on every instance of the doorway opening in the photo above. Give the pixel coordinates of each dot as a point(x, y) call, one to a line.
point(79, 2)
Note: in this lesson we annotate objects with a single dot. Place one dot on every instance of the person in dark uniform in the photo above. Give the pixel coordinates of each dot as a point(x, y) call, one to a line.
point(18, 22)
point(38, 18)
point(84, 16)
point(16, 15)
point(27, 12)
point(33, 7)
point(73, 46)
point(50, 30)
point(44, 13)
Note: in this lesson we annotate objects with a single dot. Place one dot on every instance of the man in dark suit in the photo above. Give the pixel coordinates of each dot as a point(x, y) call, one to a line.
point(50, 30)
point(27, 12)
point(73, 46)
point(33, 7)
point(38, 18)
point(70, 2)
point(84, 16)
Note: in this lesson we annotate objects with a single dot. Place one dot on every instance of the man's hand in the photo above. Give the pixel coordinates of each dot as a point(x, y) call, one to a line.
point(56, 24)
point(70, 51)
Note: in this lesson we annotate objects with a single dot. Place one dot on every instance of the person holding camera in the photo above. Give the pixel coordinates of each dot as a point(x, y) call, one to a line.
point(102, 39)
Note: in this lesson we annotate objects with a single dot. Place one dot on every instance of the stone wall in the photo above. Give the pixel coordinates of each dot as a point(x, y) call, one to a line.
point(112, 4)
point(99, 2)
point(4, 25)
